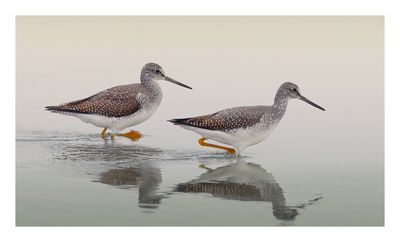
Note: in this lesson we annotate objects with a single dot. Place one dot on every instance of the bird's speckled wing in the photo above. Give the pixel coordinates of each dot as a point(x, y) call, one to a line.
point(228, 119)
point(118, 101)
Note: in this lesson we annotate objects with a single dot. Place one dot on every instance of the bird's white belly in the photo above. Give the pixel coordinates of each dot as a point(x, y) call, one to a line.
point(239, 138)
point(117, 124)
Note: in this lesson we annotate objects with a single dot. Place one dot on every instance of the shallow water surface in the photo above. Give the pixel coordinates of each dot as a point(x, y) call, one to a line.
point(80, 179)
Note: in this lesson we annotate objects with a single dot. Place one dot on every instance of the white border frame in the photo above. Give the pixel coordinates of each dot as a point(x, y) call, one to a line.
point(204, 7)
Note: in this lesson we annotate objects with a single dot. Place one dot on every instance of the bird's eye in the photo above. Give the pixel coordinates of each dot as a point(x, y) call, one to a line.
point(158, 71)
point(294, 89)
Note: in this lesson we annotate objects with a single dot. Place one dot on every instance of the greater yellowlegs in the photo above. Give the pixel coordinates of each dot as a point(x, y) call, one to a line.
point(241, 127)
point(122, 106)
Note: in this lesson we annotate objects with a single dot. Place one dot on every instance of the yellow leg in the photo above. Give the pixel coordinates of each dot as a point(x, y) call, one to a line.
point(103, 133)
point(227, 149)
point(133, 135)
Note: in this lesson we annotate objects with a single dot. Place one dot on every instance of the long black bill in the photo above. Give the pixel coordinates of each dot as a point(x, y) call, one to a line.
point(311, 103)
point(176, 82)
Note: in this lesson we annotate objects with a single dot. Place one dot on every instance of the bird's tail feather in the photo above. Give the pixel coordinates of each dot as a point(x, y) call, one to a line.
point(179, 121)
point(60, 109)
point(53, 108)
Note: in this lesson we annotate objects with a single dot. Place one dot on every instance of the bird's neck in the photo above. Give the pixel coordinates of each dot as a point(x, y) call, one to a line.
point(147, 81)
point(281, 100)
point(280, 104)
point(152, 86)
point(145, 77)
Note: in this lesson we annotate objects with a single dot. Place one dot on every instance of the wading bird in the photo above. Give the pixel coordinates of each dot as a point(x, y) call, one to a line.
point(241, 127)
point(122, 106)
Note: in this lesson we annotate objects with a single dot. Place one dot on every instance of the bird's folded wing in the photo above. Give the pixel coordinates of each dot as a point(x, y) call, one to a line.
point(115, 102)
point(227, 119)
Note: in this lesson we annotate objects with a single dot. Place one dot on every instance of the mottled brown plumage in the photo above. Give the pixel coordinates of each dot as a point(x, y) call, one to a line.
point(228, 119)
point(118, 101)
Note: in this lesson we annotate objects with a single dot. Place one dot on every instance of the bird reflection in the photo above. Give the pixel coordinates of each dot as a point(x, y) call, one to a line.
point(242, 181)
point(145, 177)
point(131, 166)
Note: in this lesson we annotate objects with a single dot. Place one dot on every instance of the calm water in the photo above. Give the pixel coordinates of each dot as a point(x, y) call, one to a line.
point(79, 179)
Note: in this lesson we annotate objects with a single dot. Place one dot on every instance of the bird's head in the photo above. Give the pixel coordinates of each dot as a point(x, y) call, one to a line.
point(292, 91)
point(154, 72)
